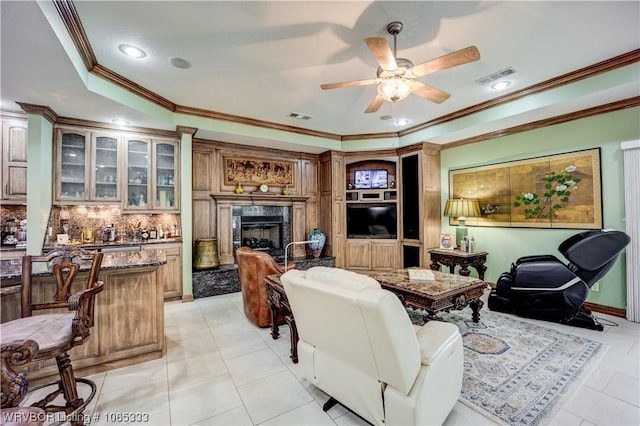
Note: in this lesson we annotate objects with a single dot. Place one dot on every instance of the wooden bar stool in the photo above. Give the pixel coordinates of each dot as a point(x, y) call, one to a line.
point(54, 332)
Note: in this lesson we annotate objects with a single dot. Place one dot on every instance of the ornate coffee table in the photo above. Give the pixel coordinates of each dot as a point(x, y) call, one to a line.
point(444, 293)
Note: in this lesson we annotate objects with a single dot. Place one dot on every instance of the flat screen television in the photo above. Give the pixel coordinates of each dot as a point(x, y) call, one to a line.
point(372, 221)
point(371, 179)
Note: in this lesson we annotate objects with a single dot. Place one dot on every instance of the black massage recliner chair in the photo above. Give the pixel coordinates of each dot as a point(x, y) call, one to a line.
point(543, 287)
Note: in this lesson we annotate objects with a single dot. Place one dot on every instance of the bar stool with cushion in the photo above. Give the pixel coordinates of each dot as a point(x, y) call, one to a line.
point(55, 331)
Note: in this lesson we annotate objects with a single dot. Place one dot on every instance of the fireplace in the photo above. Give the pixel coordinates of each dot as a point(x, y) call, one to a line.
point(264, 228)
point(231, 208)
point(262, 233)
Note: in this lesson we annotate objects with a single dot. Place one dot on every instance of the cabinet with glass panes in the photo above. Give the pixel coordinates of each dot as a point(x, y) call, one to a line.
point(138, 165)
point(151, 167)
point(87, 166)
point(165, 172)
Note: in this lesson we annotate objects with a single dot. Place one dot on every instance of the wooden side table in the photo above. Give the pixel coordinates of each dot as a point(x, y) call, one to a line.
point(453, 258)
point(277, 300)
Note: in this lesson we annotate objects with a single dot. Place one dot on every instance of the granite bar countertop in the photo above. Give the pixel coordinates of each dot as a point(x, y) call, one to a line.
point(12, 269)
point(127, 243)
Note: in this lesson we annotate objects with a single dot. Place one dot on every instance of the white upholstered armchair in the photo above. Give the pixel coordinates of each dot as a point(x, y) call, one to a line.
point(358, 345)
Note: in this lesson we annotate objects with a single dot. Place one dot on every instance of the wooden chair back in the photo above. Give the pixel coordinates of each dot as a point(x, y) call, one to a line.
point(64, 263)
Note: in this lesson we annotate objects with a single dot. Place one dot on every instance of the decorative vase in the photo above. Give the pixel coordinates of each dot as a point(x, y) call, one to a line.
point(318, 239)
point(239, 189)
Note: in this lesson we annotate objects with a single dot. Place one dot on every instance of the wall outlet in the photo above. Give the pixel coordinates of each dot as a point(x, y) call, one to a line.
point(596, 287)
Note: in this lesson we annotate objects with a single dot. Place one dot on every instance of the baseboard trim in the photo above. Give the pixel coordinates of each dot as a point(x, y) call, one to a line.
point(609, 310)
point(187, 298)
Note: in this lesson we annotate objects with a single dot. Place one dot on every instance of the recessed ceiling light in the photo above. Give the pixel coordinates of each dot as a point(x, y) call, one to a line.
point(180, 63)
point(500, 85)
point(385, 117)
point(400, 121)
point(120, 122)
point(132, 51)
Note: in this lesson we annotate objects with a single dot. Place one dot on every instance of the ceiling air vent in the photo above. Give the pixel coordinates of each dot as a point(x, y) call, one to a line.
point(299, 116)
point(495, 76)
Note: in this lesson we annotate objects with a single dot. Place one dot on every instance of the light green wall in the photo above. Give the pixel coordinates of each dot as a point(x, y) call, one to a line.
point(505, 245)
point(39, 180)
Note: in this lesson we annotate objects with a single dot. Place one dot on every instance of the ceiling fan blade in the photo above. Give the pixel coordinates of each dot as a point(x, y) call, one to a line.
point(382, 52)
point(428, 92)
point(375, 104)
point(459, 57)
point(348, 84)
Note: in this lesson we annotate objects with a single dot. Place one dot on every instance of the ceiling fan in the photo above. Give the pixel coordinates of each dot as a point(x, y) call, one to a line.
point(396, 77)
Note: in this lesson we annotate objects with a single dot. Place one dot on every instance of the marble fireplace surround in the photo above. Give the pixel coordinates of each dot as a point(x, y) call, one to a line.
point(225, 204)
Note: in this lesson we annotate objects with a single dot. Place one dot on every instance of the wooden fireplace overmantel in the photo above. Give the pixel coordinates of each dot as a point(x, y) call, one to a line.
point(224, 219)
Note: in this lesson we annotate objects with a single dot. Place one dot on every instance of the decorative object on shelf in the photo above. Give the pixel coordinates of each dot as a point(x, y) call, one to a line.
point(349, 186)
point(264, 188)
point(258, 171)
point(317, 238)
point(554, 191)
point(239, 189)
point(392, 184)
point(447, 241)
point(461, 208)
point(286, 190)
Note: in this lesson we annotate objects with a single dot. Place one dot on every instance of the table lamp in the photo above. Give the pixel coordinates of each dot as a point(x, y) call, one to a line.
point(462, 209)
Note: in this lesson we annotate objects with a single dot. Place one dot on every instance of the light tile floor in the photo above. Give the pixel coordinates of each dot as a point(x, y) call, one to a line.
point(222, 370)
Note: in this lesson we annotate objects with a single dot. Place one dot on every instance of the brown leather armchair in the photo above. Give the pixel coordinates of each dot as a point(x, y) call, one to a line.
point(253, 267)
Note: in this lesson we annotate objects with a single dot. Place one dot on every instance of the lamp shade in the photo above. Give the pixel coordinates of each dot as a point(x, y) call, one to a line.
point(462, 208)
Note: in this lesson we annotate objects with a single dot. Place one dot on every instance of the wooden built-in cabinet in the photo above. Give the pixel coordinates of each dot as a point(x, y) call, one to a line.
point(371, 255)
point(14, 162)
point(332, 203)
point(170, 274)
point(151, 169)
point(213, 198)
point(87, 167)
point(98, 167)
point(371, 212)
point(323, 195)
point(421, 217)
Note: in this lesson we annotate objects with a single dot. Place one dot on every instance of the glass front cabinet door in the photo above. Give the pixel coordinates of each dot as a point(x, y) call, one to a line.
point(105, 185)
point(138, 174)
point(165, 174)
point(72, 174)
point(87, 167)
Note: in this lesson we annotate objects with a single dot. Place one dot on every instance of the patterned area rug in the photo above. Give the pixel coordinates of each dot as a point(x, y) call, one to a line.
point(514, 371)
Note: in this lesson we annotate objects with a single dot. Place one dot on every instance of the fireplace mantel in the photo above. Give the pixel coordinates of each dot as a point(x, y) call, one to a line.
point(258, 198)
point(224, 217)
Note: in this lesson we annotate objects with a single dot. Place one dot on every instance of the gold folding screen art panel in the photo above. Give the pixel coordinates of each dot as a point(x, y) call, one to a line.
point(256, 171)
point(555, 191)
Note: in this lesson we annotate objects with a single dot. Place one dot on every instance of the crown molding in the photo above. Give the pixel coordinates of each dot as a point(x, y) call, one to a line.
point(44, 111)
point(68, 13)
point(588, 112)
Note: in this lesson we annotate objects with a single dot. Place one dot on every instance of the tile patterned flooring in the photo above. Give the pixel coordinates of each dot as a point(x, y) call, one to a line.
point(221, 370)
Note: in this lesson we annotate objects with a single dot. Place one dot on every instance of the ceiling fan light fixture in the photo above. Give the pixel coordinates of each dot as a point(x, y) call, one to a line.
point(394, 89)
